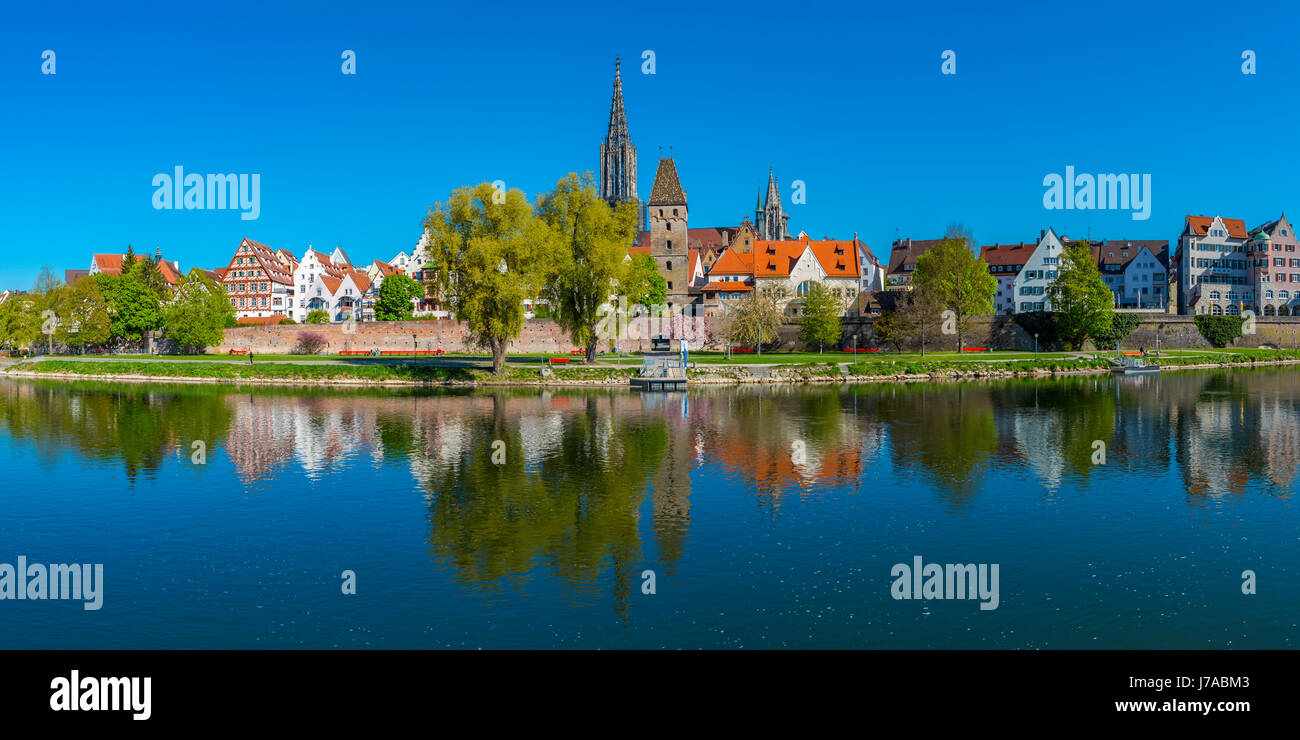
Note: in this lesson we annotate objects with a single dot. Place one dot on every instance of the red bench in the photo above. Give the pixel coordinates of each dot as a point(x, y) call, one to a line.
point(1131, 353)
point(409, 352)
point(237, 352)
point(863, 349)
point(974, 349)
point(743, 349)
point(354, 351)
point(577, 351)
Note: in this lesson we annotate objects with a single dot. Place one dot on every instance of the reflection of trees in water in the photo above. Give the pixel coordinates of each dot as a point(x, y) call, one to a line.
point(137, 426)
point(571, 510)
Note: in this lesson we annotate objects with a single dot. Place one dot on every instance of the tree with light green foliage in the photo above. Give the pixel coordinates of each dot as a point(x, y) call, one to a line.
point(133, 308)
point(493, 252)
point(590, 240)
point(819, 319)
point(1079, 297)
point(753, 320)
point(83, 315)
point(198, 314)
point(396, 298)
point(46, 280)
point(642, 283)
point(956, 280)
point(20, 322)
point(317, 316)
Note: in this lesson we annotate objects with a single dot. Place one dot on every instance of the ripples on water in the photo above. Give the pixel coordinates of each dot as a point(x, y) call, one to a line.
point(770, 516)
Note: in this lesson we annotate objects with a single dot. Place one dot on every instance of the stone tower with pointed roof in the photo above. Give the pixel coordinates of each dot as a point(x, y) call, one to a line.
point(666, 216)
point(770, 218)
point(618, 154)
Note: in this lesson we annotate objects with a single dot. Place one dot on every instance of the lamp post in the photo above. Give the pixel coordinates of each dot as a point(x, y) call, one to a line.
point(1035, 346)
point(414, 345)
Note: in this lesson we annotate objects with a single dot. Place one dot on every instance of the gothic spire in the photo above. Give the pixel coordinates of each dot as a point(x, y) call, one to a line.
point(617, 115)
point(773, 193)
point(617, 153)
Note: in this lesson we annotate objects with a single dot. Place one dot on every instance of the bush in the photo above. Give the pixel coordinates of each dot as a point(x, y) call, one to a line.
point(1219, 330)
point(1040, 323)
point(317, 316)
point(1121, 325)
point(287, 320)
point(309, 343)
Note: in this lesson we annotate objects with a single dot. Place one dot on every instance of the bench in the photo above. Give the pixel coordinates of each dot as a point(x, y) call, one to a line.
point(743, 349)
point(1131, 353)
point(974, 349)
point(237, 352)
point(354, 351)
point(863, 349)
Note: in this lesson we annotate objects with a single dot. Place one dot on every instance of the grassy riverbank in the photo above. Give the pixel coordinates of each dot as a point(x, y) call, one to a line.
point(426, 373)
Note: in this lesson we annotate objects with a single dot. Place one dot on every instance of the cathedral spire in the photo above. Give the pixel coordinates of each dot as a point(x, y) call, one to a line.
point(617, 153)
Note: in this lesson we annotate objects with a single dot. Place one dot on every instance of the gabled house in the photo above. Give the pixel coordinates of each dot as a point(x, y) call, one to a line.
point(258, 283)
point(786, 270)
point(1029, 284)
point(1276, 267)
point(1005, 262)
point(1215, 273)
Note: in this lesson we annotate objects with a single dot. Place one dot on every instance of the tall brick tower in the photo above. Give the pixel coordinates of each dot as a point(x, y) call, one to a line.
point(666, 216)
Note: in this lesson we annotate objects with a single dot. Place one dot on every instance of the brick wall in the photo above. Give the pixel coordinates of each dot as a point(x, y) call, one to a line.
point(539, 335)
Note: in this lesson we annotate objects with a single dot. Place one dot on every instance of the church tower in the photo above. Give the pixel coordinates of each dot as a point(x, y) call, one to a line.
point(618, 154)
point(771, 220)
point(668, 235)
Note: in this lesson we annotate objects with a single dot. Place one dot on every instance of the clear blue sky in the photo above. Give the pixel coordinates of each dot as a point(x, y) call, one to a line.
point(846, 97)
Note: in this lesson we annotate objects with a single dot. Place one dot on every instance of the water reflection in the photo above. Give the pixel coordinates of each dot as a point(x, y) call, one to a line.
point(518, 482)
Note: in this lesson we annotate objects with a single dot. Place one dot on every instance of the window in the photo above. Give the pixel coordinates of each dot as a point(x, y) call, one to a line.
point(674, 211)
point(670, 244)
point(670, 287)
point(668, 266)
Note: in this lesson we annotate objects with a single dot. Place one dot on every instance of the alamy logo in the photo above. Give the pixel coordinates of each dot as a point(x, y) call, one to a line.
point(91, 694)
point(947, 581)
point(56, 581)
point(209, 192)
point(1086, 192)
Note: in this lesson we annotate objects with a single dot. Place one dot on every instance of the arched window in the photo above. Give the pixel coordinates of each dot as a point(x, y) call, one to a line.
point(668, 266)
point(803, 288)
point(1214, 295)
point(1284, 294)
point(1268, 294)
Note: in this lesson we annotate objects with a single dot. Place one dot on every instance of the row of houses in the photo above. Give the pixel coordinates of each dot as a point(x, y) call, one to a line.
point(266, 285)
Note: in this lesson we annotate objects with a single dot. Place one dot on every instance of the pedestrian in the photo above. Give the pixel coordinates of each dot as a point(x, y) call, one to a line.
point(250, 357)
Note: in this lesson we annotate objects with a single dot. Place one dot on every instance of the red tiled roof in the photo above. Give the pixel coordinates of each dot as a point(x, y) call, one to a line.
point(732, 262)
point(1198, 225)
point(1007, 254)
point(732, 286)
point(109, 264)
point(634, 251)
point(778, 258)
point(903, 253)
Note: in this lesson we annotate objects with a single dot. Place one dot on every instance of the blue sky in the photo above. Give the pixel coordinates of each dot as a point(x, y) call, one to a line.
point(847, 97)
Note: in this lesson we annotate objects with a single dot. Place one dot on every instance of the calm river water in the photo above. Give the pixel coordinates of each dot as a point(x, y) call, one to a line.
point(769, 517)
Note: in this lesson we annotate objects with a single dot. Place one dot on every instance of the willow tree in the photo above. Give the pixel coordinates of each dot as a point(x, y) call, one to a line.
point(956, 280)
point(591, 241)
point(495, 253)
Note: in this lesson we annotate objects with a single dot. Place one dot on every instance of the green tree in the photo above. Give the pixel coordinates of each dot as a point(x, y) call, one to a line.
point(1079, 297)
point(590, 240)
point(957, 280)
point(83, 315)
point(128, 260)
point(753, 320)
point(133, 308)
point(199, 313)
point(819, 322)
point(147, 272)
point(46, 280)
point(318, 316)
point(642, 283)
point(493, 252)
point(20, 322)
point(396, 295)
